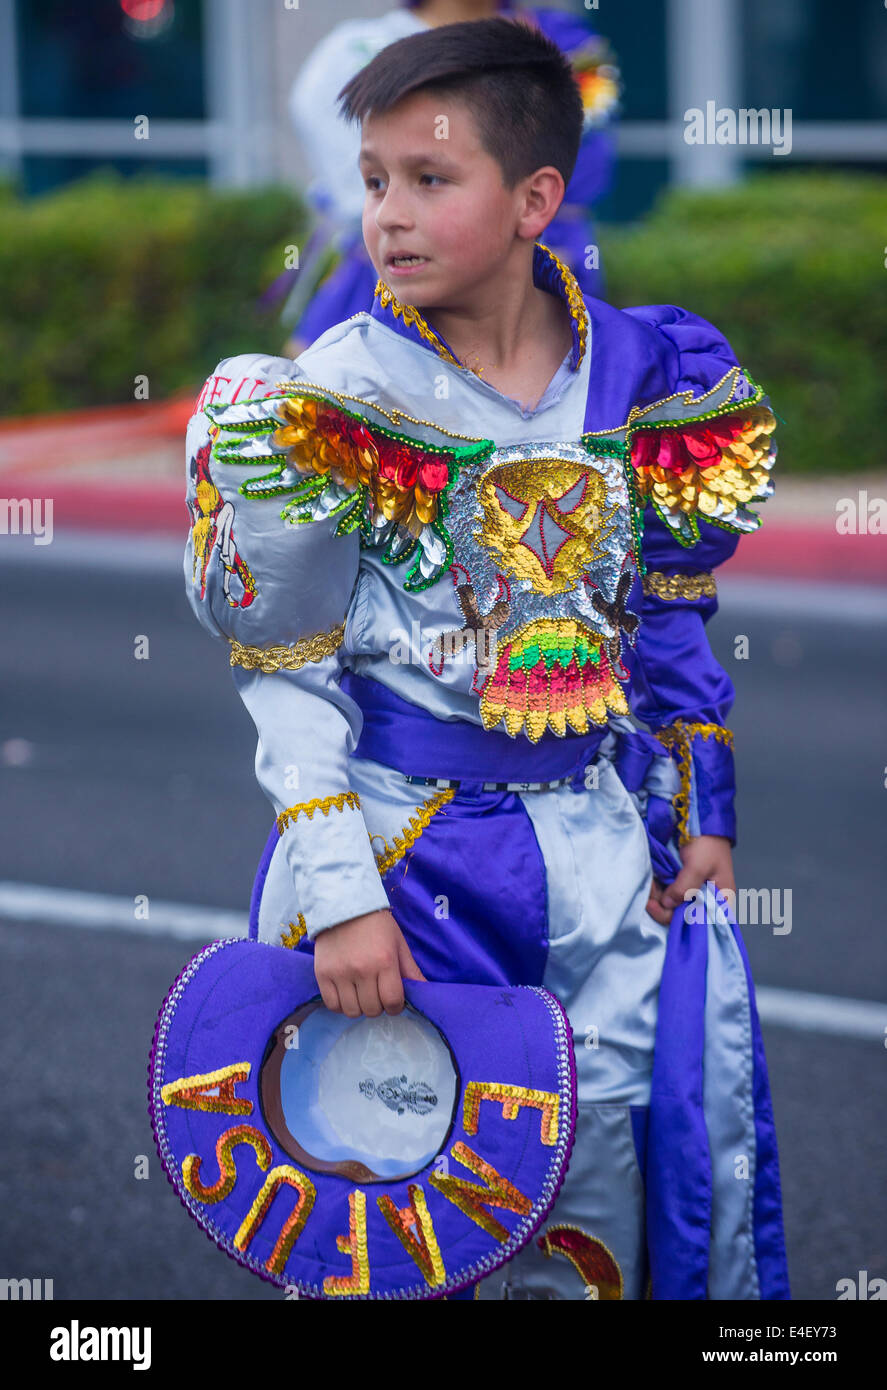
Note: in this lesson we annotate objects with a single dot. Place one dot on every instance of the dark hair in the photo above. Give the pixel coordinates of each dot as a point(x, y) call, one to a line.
point(516, 82)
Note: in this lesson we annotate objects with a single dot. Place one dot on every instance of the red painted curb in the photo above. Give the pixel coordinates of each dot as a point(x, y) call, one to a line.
point(164, 416)
point(158, 507)
point(106, 433)
point(811, 552)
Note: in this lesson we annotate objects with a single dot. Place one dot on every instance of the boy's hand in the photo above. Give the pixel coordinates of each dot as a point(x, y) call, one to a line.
point(705, 857)
point(361, 964)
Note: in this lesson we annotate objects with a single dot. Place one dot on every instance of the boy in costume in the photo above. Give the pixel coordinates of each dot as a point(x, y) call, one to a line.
point(336, 277)
point(481, 523)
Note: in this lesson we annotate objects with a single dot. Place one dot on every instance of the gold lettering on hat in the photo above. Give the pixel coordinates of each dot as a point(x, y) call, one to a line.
point(192, 1092)
point(511, 1098)
point(473, 1199)
point(279, 1177)
point(355, 1245)
point(423, 1246)
point(218, 1191)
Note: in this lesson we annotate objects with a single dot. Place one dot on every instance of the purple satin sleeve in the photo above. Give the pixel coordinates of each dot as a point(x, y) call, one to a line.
point(674, 674)
point(652, 351)
point(696, 355)
point(714, 768)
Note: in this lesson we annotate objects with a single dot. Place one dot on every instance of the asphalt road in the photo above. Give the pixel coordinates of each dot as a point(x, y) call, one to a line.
point(128, 777)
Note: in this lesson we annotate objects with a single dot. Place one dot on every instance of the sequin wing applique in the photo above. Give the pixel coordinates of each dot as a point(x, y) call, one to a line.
point(335, 459)
point(705, 458)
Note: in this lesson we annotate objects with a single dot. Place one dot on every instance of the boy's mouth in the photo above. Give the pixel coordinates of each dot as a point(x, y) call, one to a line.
point(405, 261)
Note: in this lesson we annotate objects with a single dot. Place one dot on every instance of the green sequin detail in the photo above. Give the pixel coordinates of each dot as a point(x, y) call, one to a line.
point(545, 647)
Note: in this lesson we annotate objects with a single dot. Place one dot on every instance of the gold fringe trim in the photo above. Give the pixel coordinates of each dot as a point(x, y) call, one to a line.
point(679, 735)
point(302, 390)
point(411, 833)
point(574, 299)
point(680, 585)
point(317, 803)
point(271, 659)
point(413, 319)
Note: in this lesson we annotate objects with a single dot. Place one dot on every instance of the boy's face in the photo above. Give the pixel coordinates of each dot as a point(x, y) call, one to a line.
point(432, 191)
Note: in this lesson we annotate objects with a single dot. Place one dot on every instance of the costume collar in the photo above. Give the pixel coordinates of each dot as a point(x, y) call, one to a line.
point(549, 273)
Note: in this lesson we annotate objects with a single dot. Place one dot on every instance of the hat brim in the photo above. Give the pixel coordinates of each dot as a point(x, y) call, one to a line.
point(351, 1233)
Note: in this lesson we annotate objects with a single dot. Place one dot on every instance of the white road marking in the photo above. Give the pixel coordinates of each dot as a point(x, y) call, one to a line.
point(822, 1013)
point(64, 907)
point(61, 907)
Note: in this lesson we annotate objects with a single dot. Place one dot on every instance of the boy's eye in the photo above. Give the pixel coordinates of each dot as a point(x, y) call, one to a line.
point(373, 183)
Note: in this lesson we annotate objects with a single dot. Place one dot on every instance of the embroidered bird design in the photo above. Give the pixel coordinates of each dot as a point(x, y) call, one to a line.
point(616, 614)
point(478, 627)
point(399, 1094)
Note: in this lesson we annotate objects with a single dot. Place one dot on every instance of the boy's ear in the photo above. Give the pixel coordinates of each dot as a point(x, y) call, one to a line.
point(544, 193)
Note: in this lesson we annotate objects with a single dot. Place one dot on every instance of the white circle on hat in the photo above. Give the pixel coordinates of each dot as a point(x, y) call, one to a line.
point(376, 1091)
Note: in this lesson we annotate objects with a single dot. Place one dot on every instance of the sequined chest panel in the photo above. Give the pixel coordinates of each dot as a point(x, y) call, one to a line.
point(540, 541)
point(545, 552)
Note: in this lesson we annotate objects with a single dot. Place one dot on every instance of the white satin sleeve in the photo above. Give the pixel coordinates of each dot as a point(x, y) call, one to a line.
point(280, 597)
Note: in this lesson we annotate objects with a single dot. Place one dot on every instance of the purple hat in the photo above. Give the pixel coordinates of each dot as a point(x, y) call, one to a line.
point(405, 1156)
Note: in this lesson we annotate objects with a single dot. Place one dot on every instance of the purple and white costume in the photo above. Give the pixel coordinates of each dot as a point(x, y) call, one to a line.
point(457, 606)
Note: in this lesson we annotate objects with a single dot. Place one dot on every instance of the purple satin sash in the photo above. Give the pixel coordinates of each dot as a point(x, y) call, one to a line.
point(409, 738)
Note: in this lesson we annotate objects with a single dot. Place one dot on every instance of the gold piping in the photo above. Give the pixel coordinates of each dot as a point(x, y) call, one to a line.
point(271, 659)
point(679, 735)
point(668, 586)
point(293, 386)
point(413, 318)
point(686, 398)
point(317, 803)
point(576, 303)
point(410, 834)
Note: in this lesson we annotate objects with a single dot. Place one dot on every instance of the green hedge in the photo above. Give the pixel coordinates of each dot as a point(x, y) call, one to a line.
point(111, 278)
point(790, 267)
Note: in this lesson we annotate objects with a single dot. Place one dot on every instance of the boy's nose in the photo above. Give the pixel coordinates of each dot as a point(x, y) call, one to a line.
point(393, 211)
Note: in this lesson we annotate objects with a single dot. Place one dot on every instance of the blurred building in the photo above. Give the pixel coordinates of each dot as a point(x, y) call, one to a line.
point(199, 87)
